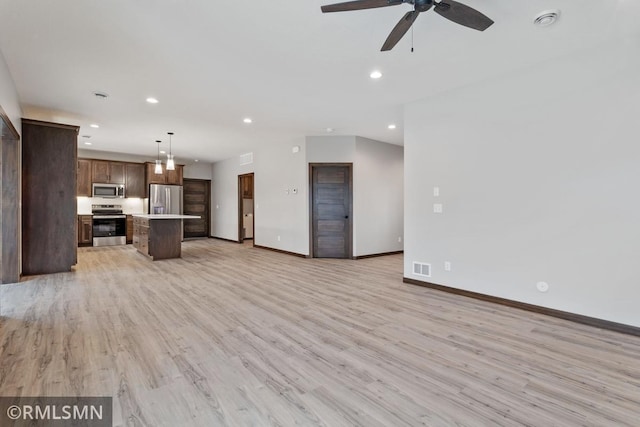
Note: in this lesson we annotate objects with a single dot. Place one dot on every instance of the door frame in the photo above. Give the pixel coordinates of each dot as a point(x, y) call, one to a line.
point(240, 207)
point(350, 226)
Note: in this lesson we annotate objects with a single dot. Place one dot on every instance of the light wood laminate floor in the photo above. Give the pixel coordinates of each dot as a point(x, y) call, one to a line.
point(238, 336)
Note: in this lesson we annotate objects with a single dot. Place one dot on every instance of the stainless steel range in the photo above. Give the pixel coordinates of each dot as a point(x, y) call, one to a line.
point(109, 225)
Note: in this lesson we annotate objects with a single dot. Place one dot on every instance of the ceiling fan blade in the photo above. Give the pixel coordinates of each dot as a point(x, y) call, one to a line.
point(400, 29)
point(359, 4)
point(463, 15)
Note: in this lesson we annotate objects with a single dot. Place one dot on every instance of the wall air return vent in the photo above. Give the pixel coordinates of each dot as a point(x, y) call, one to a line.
point(246, 159)
point(421, 269)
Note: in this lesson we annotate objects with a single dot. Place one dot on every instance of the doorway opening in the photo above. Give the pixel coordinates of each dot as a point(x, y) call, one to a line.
point(246, 214)
point(331, 207)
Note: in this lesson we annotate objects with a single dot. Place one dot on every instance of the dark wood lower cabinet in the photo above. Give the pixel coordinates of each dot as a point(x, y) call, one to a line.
point(129, 229)
point(49, 221)
point(85, 230)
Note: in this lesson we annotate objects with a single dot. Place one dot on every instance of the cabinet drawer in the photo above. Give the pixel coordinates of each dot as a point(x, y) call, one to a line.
point(141, 230)
point(140, 221)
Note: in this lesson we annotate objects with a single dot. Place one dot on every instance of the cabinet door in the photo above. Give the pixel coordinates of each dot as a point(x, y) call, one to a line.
point(84, 178)
point(152, 177)
point(129, 232)
point(135, 182)
point(247, 187)
point(174, 177)
point(85, 230)
point(116, 173)
point(99, 171)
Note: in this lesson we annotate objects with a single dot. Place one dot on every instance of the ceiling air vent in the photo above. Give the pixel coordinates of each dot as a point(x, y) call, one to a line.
point(421, 269)
point(246, 159)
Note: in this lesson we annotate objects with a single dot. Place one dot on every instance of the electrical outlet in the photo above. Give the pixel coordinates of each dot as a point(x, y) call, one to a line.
point(436, 191)
point(278, 238)
point(399, 239)
point(447, 266)
point(217, 206)
point(437, 208)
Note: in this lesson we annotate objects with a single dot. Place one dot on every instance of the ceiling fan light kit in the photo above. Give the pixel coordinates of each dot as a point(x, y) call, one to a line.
point(456, 12)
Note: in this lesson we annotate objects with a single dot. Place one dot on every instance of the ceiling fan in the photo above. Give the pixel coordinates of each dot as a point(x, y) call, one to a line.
point(452, 10)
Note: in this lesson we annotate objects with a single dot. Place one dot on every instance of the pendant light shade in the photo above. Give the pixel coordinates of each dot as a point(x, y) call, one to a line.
point(158, 169)
point(170, 163)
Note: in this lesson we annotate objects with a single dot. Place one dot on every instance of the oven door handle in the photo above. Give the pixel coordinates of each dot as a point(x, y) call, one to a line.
point(109, 217)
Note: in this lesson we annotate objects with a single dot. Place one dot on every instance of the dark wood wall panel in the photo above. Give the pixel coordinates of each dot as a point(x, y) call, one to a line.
point(49, 164)
point(9, 199)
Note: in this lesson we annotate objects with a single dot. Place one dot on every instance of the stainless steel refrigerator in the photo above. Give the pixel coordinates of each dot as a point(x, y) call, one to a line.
point(165, 199)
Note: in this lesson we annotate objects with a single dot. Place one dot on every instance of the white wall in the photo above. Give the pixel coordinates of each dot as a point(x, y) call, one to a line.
point(378, 205)
point(9, 100)
point(282, 214)
point(331, 149)
point(276, 169)
point(538, 173)
point(200, 170)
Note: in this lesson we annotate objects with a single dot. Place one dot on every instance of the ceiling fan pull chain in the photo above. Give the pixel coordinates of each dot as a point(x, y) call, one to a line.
point(412, 39)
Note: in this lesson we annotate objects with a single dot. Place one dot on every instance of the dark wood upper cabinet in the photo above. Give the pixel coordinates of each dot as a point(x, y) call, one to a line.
point(49, 184)
point(247, 187)
point(99, 171)
point(152, 177)
point(104, 171)
point(173, 177)
point(134, 180)
point(117, 173)
point(84, 178)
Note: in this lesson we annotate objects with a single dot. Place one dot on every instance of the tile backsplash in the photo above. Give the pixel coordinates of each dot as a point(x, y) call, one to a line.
point(129, 205)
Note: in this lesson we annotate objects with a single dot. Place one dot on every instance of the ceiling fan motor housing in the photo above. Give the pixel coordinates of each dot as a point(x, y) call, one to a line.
point(423, 5)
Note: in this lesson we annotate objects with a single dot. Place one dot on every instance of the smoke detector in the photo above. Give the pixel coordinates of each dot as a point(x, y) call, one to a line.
point(546, 18)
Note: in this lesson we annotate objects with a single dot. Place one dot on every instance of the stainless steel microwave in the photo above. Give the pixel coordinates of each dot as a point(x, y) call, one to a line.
point(109, 191)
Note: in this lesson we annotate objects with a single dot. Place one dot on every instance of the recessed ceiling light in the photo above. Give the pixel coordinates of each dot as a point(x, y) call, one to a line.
point(196, 160)
point(248, 120)
point(329, 130)
point(101, 95)
point(391, 126)
point(375, 74)
point(163, 152)
point(95, 126)
point(87, 143)
point(152, 100)
point(546, 18)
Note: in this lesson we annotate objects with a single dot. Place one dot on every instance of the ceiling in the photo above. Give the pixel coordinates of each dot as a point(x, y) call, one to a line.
point(292, 69)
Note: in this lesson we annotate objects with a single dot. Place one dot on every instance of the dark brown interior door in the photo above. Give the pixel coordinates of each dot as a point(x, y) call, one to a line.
point(196, 194)
point(331, 204)
point(246, 217)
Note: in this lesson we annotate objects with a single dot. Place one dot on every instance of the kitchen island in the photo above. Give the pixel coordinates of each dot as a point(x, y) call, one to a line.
point(159, 236)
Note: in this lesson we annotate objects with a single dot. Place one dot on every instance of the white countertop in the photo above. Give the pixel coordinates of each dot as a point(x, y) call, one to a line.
point(165, 216)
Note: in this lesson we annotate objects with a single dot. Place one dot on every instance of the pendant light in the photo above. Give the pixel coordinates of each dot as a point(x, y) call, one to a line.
point(158, 169)
point(170, 164)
